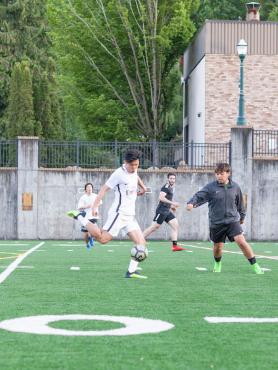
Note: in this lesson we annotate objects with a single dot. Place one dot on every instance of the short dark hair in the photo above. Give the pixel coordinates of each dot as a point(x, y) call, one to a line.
point(88, 183)
point(171, 174)
point(222, 167)
point(132, 155)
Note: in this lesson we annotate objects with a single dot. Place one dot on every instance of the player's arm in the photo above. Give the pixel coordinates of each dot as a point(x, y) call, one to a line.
point(240, 206)
point(162, 198)
point(142, 187)
point(104, 189)
point(198, 199)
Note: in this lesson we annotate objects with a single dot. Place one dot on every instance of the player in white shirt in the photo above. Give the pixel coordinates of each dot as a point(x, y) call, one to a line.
point(84, 206)
point(121, 216)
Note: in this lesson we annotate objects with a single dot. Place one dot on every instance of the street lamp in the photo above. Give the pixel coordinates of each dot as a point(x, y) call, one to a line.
point(242, 51)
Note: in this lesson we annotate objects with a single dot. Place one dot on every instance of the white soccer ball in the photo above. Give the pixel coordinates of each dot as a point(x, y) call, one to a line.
point(139, 253)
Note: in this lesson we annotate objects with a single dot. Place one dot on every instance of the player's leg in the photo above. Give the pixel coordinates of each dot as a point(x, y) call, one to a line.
point(157, 222)
point(217, 254)
point(102, 236)
point(136, 235)
point(85, 235)
point(218, 236)
point(248, 253)
point(174, 225)
point(149, 230)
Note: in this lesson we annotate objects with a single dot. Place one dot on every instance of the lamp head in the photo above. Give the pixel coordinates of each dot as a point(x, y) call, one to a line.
point(242, 48)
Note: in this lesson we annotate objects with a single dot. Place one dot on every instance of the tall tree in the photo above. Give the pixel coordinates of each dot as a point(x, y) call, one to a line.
point(119, 54)
point(24, 36)
point(21, 119)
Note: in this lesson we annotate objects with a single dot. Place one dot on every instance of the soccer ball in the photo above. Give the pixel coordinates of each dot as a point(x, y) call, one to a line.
point(139, 253)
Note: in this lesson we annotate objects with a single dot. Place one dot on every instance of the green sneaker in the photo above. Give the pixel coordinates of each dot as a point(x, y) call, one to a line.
point(134, 275)
point(73, 214)
point(217, 267)
point(257, 269)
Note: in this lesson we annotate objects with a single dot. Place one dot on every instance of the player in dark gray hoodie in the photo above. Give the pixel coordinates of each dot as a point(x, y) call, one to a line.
point(226, 214)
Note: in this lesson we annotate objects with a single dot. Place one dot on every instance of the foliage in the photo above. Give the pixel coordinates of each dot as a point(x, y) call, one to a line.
point(24, 37)
point(116, 57)
point(21, 111)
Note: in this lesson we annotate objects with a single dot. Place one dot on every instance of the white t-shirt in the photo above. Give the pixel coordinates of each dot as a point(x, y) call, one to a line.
point(124, 185)
point(84, 201)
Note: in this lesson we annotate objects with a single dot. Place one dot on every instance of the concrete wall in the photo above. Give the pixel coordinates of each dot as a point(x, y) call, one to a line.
point(56, 191)
point(8, 201)
point(59, 191)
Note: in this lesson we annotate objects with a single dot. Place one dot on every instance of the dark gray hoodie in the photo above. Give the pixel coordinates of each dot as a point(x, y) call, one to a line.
point(225, 202)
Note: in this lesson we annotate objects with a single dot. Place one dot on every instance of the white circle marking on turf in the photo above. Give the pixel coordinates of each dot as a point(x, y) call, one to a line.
point(75, 268)
point(39, 325)
point(201, 268)
point(256, 320)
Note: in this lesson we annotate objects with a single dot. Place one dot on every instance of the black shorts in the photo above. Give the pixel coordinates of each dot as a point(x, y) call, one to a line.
point(83, 228)
point(219, 233)
point(159, 218)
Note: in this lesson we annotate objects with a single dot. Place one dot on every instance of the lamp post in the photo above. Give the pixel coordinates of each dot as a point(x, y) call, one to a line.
point(242, 51)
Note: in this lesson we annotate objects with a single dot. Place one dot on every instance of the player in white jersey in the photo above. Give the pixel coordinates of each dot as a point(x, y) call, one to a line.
point(121, 216)
point(84, 206)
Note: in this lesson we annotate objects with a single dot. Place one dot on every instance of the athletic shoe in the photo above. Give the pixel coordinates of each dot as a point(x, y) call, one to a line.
point(217, 267)
point(90, 243)
point(257, 269)
point(134, 275)
point(177, 248)
point(73, 214)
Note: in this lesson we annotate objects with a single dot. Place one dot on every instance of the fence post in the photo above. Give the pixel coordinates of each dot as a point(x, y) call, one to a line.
point(27, 188)
point(155, 154)
point(77, 153)
point(116, 152)
point(192, 154)
point(242, 167)
point(230, 152)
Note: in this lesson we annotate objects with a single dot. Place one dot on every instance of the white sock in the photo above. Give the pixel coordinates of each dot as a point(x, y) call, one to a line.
point(132, 266)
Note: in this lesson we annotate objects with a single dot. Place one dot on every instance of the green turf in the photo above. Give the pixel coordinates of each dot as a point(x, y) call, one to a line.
point(175, 291)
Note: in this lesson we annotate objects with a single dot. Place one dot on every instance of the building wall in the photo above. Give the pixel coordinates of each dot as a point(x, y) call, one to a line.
point(196, 106)
point(222, 93)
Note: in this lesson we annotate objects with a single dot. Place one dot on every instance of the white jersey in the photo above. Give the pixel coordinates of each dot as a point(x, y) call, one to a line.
point(124, 185)
point(86, 200)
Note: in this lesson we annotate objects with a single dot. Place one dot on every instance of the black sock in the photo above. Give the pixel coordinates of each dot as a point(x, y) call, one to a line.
point(174, 242)
point(252, 260)
point(217, 259)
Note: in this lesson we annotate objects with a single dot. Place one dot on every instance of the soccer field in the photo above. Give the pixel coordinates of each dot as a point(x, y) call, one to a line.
point(63, 278)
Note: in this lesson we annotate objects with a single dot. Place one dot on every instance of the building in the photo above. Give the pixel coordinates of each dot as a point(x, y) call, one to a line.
point(211, 78)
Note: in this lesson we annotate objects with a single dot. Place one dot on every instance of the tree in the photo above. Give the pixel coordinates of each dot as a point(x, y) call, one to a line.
point(118, 54)
point(21, 120)
point(24, 37)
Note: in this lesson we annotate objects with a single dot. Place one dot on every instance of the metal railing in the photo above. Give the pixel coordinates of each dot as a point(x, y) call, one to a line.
point(265, 143)
point(53, 154)
point(8, 153)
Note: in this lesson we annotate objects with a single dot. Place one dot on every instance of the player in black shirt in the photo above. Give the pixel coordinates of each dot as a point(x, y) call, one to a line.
point(164, 212)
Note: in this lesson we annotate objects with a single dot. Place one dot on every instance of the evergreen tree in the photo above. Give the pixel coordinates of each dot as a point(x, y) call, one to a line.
point(20, 117)
point(24, 36)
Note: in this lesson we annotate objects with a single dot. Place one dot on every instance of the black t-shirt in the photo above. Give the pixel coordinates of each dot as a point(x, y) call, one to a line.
point(162, 206)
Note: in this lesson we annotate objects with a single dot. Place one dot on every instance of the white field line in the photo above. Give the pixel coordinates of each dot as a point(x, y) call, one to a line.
point(259, 320)
point(16, 262)
point(227, 251)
